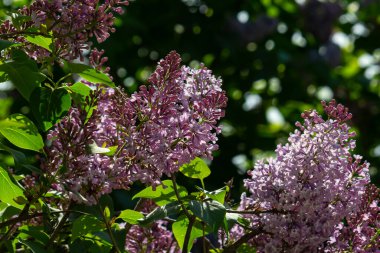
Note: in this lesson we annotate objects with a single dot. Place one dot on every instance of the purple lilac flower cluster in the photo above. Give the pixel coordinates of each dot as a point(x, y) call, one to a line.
point(71, 24)
point(152, 132)
point(171, 121)
point(77, 171)
point(301, 196)
point(155, 238)
point(361, 232)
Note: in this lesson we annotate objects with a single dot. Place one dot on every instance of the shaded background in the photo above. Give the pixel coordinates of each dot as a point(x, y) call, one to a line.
point(276, 57)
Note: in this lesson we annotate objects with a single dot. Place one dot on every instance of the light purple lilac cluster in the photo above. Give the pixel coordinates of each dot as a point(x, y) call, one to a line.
point(71, 24)
point(152, 132)
point(171, 121)
point(303, 194)
point(360, 232)
point(153, 239)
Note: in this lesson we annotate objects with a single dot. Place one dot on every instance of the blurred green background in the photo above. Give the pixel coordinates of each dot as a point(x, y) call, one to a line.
point(276, 57)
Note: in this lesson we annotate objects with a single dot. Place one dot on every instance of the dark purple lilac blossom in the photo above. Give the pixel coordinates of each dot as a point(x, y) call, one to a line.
point(77, 170)
point(71, 24)
point(171, 121)
point(156, 238)
point(152, 132)
point(304, 193)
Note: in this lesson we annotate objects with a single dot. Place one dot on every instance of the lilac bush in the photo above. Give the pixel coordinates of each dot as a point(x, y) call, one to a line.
point(314, 196)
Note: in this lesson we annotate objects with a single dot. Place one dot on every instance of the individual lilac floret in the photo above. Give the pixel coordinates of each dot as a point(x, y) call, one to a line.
point(70, 23)
point(156, 238)
point(361, 230)
point(303, 193)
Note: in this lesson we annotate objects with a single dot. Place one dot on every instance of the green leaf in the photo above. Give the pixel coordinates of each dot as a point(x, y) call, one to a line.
point(5, 44)
point(19, 157)
point(107, 213)
point(23, 73)
point(92, 244)
point(41, 41)
point(218, 195)
point(93, 148)
point(160, 213)
point(21, 132)
point(245, 248)
point(35, 247)
point(90, 74)
point(179, 229)
point(80, 89)
point(18, 19)
point(130, 216)
point(49, 106)
point(212, 212)
point(197, 168)
point(8, 212)
point(33, 232)
point(86, 224)
point(163, 194)
point(8, 190)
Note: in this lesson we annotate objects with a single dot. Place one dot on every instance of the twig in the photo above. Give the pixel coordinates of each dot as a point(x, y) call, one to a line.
point(34, 215)
point(245, 238)
point(11, 230)
point(191, 217)
point(106, 221)
point(257, 211)
point(58, 228)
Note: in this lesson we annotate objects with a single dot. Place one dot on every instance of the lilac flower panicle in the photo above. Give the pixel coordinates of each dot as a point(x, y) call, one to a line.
point(156, 238)
point(361, 231)
point(71, 23)
point(153, 132)
point(311, 185)
point(169, 123)
point(84, 176)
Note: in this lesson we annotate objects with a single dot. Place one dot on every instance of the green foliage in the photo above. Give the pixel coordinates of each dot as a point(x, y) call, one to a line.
point(40, 40)
point(93, 148)
point(9, 191)
point(35, 247)
point(162, 194)
point(91, 244)
point(23, 73)
point(18, 19)
point(79, 89)
point(90, 74)
point(218, 195)
point(179, 229)
point(84, 225)
point(5, 44)
point(160, 213)
point(245, 248)
point(211, 212)
point(49, 105)
point(131, 216)
point(197, 168)
point(34, 233)
point(21, 132)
